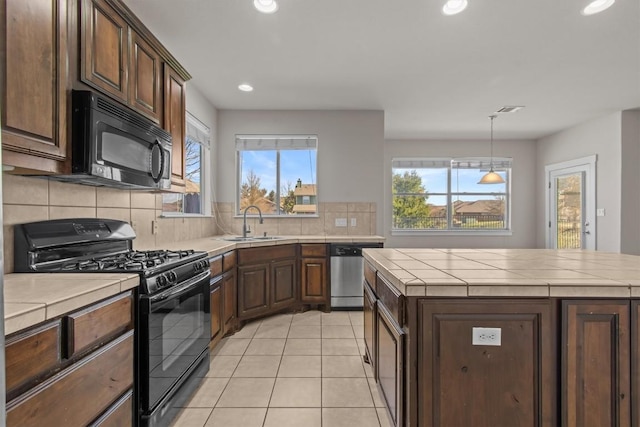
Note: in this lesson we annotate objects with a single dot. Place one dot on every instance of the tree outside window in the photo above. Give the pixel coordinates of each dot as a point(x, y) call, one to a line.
point(277, 174)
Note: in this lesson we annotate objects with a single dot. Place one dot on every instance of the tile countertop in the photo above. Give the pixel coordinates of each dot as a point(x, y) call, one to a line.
point(216, 245)
point(508, 272)
point(31, 298)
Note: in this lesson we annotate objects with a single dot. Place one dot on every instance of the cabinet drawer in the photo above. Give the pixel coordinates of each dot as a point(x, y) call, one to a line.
point(229, 261)
point(120, 414)
point(78, 394)
point(391, 298)
point(30, 355)
point(257, 255)
point(215, 265)
point(370, 276)
point(313, 250)
point(98, 323)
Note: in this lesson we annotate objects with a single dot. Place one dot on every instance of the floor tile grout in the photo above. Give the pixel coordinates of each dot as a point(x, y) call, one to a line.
point(322, 337)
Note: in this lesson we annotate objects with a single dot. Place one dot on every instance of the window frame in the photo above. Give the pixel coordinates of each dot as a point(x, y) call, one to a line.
point(275, 137)
point(200, 133)
point(449, 196)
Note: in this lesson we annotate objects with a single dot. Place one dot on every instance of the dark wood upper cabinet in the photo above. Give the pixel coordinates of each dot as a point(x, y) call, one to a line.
point(34, 90)
point(54, 46)
point(596, 363)
point(145, 78)
point(175, 102)
point(105, 49)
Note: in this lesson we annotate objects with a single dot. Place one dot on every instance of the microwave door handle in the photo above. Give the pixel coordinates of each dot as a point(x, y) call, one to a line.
point(157, 175)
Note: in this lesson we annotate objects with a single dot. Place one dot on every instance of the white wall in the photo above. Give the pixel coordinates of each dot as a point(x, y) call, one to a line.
point(601, 137)
point(523, 187)
point(350, 150)
point(630, 175)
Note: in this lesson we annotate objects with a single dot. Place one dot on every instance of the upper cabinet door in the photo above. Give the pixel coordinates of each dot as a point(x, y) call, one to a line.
point(144, 78)
point(33, 62)
point(175, 105)
point(105, 48)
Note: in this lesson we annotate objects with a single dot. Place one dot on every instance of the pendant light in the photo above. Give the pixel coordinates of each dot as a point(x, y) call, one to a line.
point(491, 177)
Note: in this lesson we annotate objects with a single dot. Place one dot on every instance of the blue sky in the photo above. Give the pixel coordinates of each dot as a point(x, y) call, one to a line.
point(462, 180)
point(294, 164)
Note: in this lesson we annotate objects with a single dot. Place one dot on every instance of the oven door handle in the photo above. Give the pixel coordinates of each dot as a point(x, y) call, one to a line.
point(179, 290)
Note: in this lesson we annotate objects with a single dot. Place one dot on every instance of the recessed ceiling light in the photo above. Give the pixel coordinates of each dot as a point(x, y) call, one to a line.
point(453, 6)
point(597, 6)
point(245, 87)
point(266, 6)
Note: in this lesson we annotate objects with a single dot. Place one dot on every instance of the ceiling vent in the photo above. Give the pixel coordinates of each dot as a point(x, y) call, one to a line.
point(510, 109)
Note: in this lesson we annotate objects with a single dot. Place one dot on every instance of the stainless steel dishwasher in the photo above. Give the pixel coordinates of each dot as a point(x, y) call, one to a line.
point(347, 272)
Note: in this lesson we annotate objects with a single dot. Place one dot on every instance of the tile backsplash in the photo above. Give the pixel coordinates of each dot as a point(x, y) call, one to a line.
point(27, 199)
point(360, 220)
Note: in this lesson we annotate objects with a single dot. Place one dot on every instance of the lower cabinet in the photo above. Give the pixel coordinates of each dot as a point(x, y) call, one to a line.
point(486, 363)
point(390, 369)
point(314, 275)
point(76, 370)
point(215, 305)
point(369, 314)
point(229, 294)
point(267, 280)
point(596, 364)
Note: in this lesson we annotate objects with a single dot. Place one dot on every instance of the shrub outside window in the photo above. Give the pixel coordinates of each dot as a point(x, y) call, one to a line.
point(444, 195)
point(277, 173)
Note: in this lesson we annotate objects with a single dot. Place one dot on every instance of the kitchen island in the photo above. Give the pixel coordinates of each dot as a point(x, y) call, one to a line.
point(504, 337)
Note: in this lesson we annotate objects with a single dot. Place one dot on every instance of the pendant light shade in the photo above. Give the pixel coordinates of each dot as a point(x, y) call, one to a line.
point(491, 177)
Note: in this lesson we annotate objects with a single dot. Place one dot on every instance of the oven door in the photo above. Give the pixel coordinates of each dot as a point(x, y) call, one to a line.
point(175, 327)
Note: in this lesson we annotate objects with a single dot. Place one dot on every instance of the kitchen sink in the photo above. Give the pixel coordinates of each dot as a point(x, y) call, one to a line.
point(247, 239)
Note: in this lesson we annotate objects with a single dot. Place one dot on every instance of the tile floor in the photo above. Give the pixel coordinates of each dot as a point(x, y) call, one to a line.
point(302, 370)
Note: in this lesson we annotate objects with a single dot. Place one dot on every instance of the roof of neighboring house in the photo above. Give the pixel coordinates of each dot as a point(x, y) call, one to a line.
point(304, 209)
point(479, 207)
point(191, 187)
point(305, 190)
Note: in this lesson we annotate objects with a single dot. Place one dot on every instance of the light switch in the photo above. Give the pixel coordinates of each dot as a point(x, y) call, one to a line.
point(341, 222)
point(600, 212)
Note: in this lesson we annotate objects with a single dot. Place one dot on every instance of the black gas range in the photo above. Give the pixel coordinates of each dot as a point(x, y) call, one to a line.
point(173, 320)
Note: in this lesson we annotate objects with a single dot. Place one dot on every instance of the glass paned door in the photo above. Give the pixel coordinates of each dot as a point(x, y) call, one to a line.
point(569, 211)
point(571, 204)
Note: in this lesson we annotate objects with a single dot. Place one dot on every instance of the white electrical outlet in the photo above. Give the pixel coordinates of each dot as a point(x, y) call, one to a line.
point(154, 227)
point(341, 222)
point(353, 222)
point(487, 336)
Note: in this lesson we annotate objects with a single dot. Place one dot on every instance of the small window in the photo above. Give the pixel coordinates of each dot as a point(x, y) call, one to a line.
point(444, 194)
point(197, 159)
point(277, 174)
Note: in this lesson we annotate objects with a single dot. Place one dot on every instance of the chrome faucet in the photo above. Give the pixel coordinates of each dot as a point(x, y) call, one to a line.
point(246, 230)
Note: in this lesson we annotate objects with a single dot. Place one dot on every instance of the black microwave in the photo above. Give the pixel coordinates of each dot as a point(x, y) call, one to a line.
point(114, 146)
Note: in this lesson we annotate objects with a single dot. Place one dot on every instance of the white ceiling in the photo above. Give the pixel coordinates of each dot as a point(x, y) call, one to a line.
point(434, 76)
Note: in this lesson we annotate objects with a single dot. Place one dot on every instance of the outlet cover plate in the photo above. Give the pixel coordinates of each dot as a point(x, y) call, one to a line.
point(341, 222)
point(487, 336)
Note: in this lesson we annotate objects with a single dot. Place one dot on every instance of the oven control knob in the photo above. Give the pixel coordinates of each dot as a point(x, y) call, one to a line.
point(161, 281)
point(172, 276)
